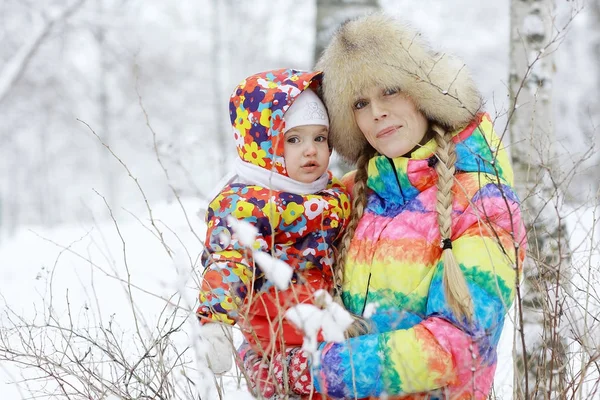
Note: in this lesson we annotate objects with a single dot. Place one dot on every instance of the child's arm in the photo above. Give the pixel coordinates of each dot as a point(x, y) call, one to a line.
point(228, 273)
point(340, 192)
point(227, 276)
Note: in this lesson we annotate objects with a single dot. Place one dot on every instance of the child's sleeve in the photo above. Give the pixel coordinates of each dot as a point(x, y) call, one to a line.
point(341, 205)
point(228, 265)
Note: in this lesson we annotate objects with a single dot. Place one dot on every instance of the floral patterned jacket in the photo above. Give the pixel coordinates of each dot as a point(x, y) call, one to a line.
point(300, 229)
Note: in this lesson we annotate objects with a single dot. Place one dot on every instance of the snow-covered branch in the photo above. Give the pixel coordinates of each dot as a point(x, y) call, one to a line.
point(16, 66)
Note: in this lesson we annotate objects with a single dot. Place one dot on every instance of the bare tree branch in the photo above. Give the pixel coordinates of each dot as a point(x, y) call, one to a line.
point(17, 65)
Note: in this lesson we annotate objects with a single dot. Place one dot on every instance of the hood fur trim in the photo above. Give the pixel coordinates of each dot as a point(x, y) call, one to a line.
point(378, 50)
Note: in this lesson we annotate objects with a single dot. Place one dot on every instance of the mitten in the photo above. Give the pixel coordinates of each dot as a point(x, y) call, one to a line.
point(268, 378)
point(219, 348)
point(259, 373)
point(298, 370)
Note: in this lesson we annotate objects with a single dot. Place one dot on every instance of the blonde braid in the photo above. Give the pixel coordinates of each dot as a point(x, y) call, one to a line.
point(455, 286)
point(359, 200)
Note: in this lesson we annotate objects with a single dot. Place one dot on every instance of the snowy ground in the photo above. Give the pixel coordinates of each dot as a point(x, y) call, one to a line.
point(89, 265)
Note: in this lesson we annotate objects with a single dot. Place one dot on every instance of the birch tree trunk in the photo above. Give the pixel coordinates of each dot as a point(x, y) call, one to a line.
point(595, 9)
point(331, 13)
point(219, 71)
point(103, 103)
point(540, 343)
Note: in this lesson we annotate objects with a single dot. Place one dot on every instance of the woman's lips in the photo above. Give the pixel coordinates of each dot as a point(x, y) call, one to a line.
point(387, 131)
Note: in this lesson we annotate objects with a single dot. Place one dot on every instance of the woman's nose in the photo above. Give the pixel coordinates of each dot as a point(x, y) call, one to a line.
point(378, 109)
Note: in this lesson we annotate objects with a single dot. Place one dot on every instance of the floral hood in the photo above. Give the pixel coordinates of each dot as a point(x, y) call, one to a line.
point(256, 109)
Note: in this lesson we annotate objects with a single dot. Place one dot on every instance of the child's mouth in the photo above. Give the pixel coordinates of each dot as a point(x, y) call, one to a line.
point(310, 166)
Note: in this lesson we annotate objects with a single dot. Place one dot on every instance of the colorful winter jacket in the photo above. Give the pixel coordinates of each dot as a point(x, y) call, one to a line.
point(299, 229)
point(418, 349)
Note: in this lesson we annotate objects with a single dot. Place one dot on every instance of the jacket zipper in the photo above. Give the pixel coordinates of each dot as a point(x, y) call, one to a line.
point(397, 179)
point(366, 295)
point(403, 201)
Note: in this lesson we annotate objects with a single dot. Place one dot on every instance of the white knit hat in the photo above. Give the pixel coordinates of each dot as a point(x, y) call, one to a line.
point(307, 109)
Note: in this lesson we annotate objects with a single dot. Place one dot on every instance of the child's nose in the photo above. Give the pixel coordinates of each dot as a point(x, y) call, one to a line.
point(310, 149)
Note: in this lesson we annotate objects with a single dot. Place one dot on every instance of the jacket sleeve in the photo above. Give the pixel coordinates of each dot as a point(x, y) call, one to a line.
point(441, 352)
point(228, 273)
point(340, 201)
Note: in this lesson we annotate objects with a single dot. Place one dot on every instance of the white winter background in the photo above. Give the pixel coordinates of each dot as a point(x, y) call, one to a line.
point(152, 79)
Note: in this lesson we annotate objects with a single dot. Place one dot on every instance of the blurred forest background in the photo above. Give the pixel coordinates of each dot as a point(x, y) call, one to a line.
point(106, 61)
point(98, 96)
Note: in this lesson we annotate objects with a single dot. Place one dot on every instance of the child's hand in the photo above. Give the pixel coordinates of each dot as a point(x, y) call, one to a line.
point(218, 338)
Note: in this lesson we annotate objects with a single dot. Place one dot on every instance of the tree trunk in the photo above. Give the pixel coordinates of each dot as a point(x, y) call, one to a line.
point(104, 115)
point(595, 102)
point(42, 176)
point(541, 345)
point(331, 13)
point(220, 99)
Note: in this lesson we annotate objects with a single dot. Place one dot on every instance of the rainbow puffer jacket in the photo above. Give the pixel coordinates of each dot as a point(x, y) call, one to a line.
point(298, 229)
point(418, 349)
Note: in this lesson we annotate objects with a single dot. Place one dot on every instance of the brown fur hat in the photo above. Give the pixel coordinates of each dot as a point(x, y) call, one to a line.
point(378, 50)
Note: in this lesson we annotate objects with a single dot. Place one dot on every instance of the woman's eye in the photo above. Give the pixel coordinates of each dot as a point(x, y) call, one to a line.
point(388, 92)
point(360, 104)
point(321, 139)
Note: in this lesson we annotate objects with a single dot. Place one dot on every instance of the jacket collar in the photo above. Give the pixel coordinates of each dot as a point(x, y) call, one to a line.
point(399, 180)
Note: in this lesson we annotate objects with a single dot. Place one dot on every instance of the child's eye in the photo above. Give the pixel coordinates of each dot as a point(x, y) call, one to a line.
point(321, 138)
point(389, 92)
point(360, 104)
point(293, 139)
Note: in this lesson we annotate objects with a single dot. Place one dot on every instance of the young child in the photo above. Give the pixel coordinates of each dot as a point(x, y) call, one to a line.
point(283, 188)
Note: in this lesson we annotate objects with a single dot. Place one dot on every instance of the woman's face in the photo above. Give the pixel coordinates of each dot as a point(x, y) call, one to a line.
point(390, 121)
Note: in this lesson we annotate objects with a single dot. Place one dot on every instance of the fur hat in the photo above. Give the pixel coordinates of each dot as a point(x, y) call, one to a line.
point(378, 50)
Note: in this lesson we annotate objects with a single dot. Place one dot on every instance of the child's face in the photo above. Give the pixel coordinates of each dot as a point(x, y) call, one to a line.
point(306, 152)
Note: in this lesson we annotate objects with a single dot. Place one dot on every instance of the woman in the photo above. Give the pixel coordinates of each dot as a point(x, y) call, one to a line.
point(435, 241)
